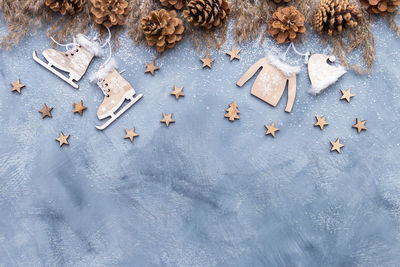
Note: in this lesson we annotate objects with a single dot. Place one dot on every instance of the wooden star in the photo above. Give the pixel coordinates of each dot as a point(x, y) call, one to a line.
point(167, 119)
point(130, 134)
point(360, 125)
point(234, 54)
point(46, 111)
point(79, 108)
point(177, 92)
point(17, 86)
point(336, 145)
point(63, 139)
point(207, 61)
point(320, 122)
point(151, 68)
point(346, 95)
point(271, 129)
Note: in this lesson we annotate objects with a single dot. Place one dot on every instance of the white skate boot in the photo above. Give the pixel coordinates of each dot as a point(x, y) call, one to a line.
point(116, 90)
point(74, 61)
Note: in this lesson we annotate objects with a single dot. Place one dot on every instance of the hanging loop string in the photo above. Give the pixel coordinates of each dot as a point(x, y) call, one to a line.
point(69, 46)
point(305, 55)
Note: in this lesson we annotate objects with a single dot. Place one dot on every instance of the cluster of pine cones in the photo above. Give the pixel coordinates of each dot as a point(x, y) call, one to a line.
point(380, 6)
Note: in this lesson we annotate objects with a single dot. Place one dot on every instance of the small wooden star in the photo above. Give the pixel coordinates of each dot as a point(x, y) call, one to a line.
point(320, 122)
point(131, 134)
point(271, 129)
point(79, 108)
point(17, 86)
point(177, 92)
point(234, 54)
point(46, 111)
point(207, 61)
point(151, 68)
point(360, 125)
point(63, 139)
point(346, 95)
point(167, 119)
point(336, 145)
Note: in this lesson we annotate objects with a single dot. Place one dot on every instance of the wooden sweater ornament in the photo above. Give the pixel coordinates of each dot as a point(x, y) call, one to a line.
point(271, 81)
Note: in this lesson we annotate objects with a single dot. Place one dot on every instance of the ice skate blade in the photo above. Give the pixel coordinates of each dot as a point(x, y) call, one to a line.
point(48, 66)
point(132, 101)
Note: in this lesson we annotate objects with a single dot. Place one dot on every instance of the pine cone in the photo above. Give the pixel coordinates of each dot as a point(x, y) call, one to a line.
point(66, 6)
point(333, 16)
point(163, 29)
point(207, 13)
point(178, 4)
point(380, 6)
point(281, 1)
point(286, 23)
point(109, 12)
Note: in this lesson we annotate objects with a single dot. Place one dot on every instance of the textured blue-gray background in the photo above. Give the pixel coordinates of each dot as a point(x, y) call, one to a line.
point(205, 191)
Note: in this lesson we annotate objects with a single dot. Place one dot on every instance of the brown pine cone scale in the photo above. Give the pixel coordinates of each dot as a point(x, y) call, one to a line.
point(286, 24)
point(162, 29)
point(109, 12)
point(380, 6)
point(207, 13)
point(177, 4)
point(69, 7)
point(333, 16)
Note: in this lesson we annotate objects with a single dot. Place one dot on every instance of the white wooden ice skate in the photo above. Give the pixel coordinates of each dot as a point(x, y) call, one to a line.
point(74, 61)
point(116, 90)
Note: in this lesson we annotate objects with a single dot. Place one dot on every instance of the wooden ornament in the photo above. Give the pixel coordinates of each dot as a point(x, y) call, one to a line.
point(63, 139)
point(116, 92)
point(167, 119)
point(232, 112)
point(46, 111)
point(360, 125)
point(321, 122)
point(151, 68)
point(271, 129)
point(321, 73)
point(234, 54)
point(75, 61)
point(16, 86)
point(207, 61)
point(271, 81)
point(131, 134)
point(346, 95)
point(177, 92)
point(79, 108)
point(336, 146)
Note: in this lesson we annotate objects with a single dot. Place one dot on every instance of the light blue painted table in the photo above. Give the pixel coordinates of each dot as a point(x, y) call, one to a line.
point(205, 191)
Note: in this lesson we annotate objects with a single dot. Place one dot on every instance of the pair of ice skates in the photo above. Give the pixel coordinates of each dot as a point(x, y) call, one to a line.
point(75, 62)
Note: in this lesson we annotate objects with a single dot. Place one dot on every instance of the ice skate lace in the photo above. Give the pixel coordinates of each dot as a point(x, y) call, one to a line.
point(70, 47)
point(306, 55)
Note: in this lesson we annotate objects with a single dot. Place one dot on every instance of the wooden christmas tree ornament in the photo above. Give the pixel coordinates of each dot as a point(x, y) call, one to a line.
point(17, 86)
point(63, 139)
point(150, 68)
point(322, 72)
point(46, 111)
point(271, 81)
point(232, 112)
